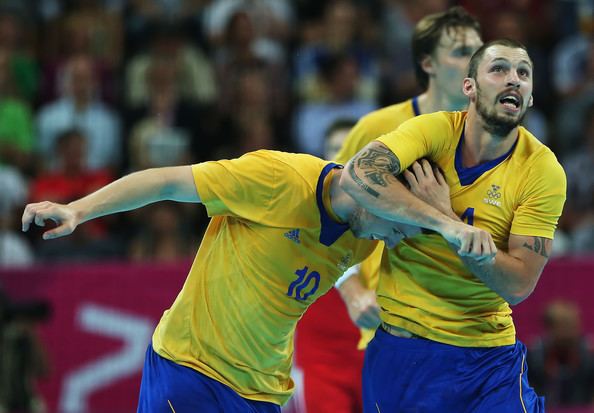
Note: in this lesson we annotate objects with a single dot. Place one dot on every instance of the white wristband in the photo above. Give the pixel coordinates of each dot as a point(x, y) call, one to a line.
point(347, 274)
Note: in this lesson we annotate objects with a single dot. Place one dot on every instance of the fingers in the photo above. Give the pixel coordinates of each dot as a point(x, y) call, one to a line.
point(370, 318)
point(478, 245)
point(31, 214)
point(418, 170)
point(57, 232)
point(410, 178)
point(39, 213)
point(439, 176)
point(427, 169)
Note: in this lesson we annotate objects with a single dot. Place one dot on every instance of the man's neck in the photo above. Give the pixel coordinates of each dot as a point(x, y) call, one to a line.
point(481, 146)
point(342, 203)
point(434, 100)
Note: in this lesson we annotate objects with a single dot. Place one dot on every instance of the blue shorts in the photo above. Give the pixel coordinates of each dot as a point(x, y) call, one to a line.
point(168, 387)
point(414, 375)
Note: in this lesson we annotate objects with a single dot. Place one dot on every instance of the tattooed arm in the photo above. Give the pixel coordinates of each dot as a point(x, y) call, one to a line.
point(371, 181)
point(513, 275)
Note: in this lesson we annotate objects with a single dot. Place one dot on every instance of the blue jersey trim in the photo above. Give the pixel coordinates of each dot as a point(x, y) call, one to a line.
point(330, 230)
point(415, 103)
point(467, 176)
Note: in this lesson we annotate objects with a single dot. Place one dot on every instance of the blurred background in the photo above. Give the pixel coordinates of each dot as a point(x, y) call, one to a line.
point(91, 90)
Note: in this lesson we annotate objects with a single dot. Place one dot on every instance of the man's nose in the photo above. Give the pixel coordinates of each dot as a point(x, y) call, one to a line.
point(513, 79)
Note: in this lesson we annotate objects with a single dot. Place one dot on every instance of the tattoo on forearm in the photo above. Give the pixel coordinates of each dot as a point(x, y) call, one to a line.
point(380, 166)
point(538, 247)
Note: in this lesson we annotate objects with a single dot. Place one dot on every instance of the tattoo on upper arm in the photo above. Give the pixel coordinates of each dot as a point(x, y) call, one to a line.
point(539, 246)
point(379, 166)
point(360, 182)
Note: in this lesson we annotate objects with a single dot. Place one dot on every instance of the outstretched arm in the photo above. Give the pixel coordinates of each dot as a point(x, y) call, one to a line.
point(129, 192)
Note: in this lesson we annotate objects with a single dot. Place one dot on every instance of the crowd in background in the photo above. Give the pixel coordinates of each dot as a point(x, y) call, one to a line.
point(94, 89)
point(91, 90)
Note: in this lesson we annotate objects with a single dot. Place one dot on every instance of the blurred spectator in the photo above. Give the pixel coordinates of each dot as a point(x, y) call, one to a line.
point(141, 14)
point(164, 235)
point(578, 214)
point(17, 139)
point(253, 118)
point(238, 56)
point(398, 22)
point(16, 41)
point(335, 136)
point(572, 109)
point(14, 248)
point(23, 359)
point(167, 129)
point(255, 132)
point(89, 27)
point(572, 64)
point(195, 78)
point(561, 363)
point(71, 180)
point(80, 108)
point(340, 34)
point(341, 76)
point(271, 20)
point(540, 25)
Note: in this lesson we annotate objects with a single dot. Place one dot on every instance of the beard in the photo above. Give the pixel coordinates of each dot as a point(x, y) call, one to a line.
point(355, 224)
point(494, 123)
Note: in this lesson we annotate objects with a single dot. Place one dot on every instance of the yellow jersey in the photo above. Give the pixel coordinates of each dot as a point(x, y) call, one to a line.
point(374, 125)
point(272, 247)
point(368, 128)
point(424, 286)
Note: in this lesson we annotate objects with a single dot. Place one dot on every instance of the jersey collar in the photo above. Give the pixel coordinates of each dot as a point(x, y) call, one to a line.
point(415, 105)
point(330, 230)
point(467, 176)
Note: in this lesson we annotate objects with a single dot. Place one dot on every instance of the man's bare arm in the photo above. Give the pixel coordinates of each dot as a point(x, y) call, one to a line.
point(371, 181)
point(127, 193)
point(514, 275)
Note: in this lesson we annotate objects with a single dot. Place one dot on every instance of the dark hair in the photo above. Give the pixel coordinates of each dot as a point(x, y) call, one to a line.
point(428, 32)
point(339, 124)
point(476, 58)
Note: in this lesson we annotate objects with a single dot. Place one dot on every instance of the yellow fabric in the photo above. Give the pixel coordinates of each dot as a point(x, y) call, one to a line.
point(372, 126)
point(368, 128)
point(424, 287)
point(235, 317)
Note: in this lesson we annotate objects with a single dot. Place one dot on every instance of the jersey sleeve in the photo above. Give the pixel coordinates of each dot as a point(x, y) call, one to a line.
point(241, 187)
point(424, 136)
point(542, 202)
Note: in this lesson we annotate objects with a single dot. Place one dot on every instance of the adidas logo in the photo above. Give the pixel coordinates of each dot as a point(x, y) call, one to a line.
point(293, 235)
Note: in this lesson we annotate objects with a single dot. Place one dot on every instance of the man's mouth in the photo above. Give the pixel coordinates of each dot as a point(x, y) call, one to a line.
point(511, 101)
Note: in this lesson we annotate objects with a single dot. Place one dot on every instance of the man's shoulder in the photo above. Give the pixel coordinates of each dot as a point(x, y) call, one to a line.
point(289, 158)
point(288, 166)
point(390, 115)
point(530, 148)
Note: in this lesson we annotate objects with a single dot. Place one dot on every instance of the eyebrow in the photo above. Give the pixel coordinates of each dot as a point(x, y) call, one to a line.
point(503, 59)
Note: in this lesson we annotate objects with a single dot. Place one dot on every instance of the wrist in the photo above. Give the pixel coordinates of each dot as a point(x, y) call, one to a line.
point(80, 214)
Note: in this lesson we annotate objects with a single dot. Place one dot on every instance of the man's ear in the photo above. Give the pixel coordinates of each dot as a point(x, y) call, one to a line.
point(427, 65)
point(469, 87)
point(531, 101)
